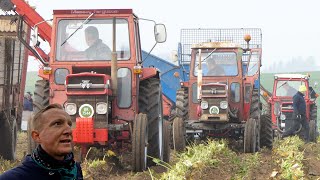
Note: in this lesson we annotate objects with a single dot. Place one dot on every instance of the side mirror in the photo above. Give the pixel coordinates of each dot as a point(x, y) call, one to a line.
point(160, 33)
point(35, 41)
point(174, 56)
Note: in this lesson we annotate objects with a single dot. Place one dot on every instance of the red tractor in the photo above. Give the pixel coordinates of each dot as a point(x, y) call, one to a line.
point(281, 104)
point(221, 100)
point(113, 101)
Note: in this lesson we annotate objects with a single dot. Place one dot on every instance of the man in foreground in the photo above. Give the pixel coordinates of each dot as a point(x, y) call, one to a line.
point(53, 157)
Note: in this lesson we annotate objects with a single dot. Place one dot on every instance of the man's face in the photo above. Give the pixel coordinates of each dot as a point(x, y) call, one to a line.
point(90, 39)
point(55, 134)
point(211, 64)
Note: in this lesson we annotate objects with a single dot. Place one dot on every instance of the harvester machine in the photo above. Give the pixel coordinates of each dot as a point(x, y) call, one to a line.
point(13, 68)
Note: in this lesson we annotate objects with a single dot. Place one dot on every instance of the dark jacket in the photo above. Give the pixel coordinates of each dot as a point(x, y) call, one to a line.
point(299, 105)
point(216, 71)
point(29, 170)
point(98, 51)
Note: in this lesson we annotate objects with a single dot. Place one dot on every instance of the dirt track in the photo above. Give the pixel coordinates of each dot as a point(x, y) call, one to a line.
point(228, 168)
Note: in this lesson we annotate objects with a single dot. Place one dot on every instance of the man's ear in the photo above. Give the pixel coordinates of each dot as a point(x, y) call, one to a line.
point(35, 136)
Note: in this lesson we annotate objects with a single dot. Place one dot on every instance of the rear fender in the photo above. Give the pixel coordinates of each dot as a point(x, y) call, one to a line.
point(149, 73)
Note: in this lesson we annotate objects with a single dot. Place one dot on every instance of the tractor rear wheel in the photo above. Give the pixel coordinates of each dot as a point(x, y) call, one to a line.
point(313, 131)
point(8, 134)
point(179, 131)
point(166, 141)
point(182, 104)
point(255, 114)
point(40, 101)
point(313, 124)
point(140, 142)
point(150, 103)
point(266, 132)
point(250, 136)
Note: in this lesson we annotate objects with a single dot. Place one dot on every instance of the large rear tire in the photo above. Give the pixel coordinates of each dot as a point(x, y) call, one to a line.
point(313, 133)
point(179, 137)
point(140, 142)
point(182, 104)
point(250, 136)
point(150, 103)
point(8, 134)
point(266, 132)
point(40, 101)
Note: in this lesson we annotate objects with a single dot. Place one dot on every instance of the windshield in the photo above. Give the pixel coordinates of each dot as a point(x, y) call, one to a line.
point(92, 40)
point(217, 63)
point(288, 88)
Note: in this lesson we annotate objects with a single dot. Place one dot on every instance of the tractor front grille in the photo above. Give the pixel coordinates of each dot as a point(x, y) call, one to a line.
point(85, 84)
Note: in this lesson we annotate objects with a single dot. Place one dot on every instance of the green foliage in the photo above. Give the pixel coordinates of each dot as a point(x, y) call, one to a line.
point(211, 154)
point(6, 165)
point(289, 156)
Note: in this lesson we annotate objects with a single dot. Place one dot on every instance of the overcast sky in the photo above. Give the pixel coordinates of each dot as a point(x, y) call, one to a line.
point(290, 28)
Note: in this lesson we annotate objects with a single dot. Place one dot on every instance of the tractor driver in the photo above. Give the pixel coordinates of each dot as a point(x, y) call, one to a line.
point(214, 69)
point(97, 50)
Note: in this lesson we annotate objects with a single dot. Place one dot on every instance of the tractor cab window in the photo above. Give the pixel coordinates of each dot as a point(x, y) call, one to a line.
point(124, 87)
point(253, 67)
point(78, 40)
point(217, 63)
point(287, 88)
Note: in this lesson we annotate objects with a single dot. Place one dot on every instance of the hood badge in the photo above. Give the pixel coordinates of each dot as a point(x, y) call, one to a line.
point(85, 84)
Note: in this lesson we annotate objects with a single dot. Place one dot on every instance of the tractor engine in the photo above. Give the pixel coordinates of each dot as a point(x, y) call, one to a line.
point(214, 102)
point(89, 105)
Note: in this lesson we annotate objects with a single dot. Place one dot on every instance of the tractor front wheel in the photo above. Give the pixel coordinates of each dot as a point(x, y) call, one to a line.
point(140, 142)
point(266, 132)
point(179, 139)
point(166, 141)
point(250, 136)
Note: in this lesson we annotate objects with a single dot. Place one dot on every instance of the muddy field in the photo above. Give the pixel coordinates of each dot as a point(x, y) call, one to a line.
point(225, 164)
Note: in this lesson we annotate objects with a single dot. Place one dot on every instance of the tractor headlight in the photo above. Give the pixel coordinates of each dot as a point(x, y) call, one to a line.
point(224, 104)
point(70, 108)
point(101, 108)
point(282, 117)
point(204, 105)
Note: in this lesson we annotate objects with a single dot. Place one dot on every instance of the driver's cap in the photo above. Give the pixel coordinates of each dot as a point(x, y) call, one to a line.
point(302, 88)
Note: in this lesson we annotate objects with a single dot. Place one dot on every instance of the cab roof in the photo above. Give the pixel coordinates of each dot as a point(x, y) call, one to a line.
point(297, 76)
point(95, 11)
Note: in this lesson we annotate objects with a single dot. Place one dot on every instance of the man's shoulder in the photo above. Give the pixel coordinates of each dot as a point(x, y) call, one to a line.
point(27, 170)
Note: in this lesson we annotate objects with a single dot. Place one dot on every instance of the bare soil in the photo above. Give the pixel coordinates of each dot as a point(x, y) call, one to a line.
point(227, 168)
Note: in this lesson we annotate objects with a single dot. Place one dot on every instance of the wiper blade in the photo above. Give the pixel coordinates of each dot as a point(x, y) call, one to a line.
point(84, 22)
point(207, 56)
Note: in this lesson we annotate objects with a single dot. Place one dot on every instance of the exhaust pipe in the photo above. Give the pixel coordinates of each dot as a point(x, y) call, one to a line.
point(114, 67)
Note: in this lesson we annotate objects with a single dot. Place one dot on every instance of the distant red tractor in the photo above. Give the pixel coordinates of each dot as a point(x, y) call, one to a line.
point(221, 102)
point(113, 101)
point(281, 104)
